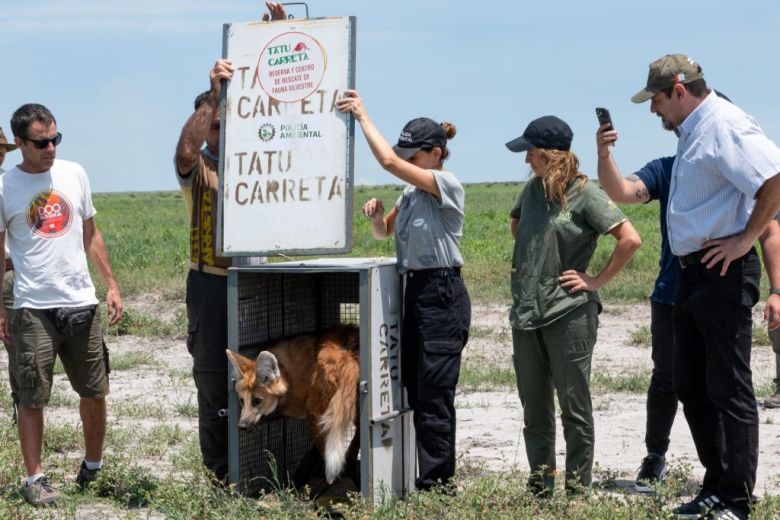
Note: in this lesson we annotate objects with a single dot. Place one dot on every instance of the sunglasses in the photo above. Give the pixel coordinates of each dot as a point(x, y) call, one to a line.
point(41, 144)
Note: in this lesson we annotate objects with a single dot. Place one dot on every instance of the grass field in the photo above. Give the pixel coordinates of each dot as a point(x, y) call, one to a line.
point(147, 236)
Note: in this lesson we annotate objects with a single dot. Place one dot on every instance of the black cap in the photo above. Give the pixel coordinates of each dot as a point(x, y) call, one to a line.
point(418, 134)
point(545, 132)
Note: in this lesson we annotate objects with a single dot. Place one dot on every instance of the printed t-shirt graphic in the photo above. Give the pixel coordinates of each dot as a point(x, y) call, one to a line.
point(49, 214)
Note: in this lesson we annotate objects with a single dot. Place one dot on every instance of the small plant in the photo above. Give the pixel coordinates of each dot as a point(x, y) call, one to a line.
point(640, 337)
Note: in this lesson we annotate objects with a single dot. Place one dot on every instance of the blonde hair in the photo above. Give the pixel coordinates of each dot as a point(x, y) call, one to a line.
point(560, 168)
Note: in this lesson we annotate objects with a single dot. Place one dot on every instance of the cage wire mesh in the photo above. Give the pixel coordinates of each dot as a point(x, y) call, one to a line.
point(274, 306)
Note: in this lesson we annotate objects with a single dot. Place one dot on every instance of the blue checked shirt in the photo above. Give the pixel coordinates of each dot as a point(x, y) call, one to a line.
point(723, 158)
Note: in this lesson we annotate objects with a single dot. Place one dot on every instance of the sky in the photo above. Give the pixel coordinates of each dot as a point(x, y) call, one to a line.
point(120, 77)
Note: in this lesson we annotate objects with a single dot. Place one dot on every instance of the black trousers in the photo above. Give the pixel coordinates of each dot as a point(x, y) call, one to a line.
point(207, 341)
point(661, 397)
point(437, 315)
point(712, 377)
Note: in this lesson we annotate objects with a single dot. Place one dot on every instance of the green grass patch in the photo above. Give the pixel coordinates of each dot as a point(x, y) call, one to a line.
point(475, 375)
point(129, 360)
point(640, 337)
point(188, 409)
point(631, 381)
point(140, 324)
point(760, 335)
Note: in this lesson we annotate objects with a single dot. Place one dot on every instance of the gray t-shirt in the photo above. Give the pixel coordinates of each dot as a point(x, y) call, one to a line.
point(427, 232)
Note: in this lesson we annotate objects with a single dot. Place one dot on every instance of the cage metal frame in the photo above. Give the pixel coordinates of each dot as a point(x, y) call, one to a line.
point(309, 296)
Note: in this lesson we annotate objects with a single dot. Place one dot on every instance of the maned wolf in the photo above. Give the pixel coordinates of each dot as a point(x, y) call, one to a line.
point(307, 376)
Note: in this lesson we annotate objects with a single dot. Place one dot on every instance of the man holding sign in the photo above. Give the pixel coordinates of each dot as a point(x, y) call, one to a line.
point(196, 170)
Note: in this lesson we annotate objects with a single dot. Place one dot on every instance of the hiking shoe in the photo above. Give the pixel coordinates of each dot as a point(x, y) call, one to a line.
point(86, 476)
point(651, 471)
point(774, 400)
point(40, 492)
point(700, 506)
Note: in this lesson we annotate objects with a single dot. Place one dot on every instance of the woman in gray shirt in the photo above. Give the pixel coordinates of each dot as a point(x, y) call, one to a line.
point(427, 221)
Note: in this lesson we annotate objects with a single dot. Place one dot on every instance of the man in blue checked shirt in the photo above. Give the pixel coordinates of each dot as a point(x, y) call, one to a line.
point(725, 190)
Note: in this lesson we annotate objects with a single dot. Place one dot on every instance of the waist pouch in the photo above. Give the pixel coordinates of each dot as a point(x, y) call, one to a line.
point(72, 320)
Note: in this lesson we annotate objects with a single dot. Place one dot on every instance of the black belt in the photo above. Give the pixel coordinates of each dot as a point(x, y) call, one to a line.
point(692, 258)
point(436, 272)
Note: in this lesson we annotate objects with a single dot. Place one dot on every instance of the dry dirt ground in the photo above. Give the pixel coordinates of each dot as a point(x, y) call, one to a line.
point(489, 423)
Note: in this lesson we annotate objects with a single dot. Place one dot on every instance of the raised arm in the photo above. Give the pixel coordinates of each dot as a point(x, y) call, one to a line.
point(205, 117)
point(628, 190)
point(98, 254)
point(628, 242)
point(383, 152)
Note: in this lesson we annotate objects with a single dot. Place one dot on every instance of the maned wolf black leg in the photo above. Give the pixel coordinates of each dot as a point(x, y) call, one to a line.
point(352, 466)
point(310, 467)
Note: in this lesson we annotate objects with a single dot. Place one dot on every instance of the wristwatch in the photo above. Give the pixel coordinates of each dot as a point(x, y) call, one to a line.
point(774, 291)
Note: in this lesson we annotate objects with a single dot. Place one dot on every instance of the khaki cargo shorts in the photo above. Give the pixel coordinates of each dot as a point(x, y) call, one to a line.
point(38, 342)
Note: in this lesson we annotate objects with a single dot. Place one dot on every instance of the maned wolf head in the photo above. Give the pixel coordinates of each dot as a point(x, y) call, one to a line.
point(312, 376)
point(259, 386)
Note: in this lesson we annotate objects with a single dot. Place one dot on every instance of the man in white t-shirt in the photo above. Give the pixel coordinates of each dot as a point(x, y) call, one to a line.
point(47, 216)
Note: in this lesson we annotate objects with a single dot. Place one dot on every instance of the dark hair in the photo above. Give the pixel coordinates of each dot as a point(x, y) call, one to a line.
point(449, 131)
point(697, 88)
point(25, 115)
point(202, 97)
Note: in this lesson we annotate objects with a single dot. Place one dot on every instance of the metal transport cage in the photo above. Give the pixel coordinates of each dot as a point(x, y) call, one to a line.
point(280, 300)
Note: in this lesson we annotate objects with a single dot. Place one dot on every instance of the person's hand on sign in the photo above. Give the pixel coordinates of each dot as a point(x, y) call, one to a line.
point(223, 69)
point(277, 11)
point(352, 103)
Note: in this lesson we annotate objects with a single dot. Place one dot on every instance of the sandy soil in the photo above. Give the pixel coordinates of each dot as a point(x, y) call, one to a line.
point(489, 423)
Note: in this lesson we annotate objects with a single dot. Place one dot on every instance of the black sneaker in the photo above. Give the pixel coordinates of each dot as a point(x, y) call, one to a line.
point(700, 506)
point(652, 470)
point(723, 511)
point(86, 476)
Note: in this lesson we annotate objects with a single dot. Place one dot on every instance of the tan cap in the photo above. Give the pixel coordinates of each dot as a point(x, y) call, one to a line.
point(667, 72)
point(9, 147)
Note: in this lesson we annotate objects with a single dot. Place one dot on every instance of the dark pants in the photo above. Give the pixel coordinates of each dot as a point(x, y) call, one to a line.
point(661, 398)
point(437, 315)
point(712, 377)
point(207, 341)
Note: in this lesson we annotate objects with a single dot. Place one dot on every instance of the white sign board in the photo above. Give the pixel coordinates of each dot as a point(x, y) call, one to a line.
point(287, 152)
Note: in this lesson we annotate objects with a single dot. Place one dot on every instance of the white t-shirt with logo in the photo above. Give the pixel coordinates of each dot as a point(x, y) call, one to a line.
point(42, 215)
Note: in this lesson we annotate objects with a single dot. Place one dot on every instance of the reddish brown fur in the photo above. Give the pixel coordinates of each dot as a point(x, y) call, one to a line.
point(318, 378)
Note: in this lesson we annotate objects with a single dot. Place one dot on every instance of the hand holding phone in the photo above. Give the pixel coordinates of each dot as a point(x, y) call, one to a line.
point(604, 118)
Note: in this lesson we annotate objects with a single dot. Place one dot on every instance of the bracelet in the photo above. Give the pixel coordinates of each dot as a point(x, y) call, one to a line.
point(774, 291)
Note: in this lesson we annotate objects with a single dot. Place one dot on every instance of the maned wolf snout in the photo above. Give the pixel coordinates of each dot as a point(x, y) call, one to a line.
point(307, 376)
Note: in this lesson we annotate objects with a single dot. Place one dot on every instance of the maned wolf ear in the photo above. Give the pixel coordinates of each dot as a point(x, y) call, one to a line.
point(241, 363)
point(266, 368)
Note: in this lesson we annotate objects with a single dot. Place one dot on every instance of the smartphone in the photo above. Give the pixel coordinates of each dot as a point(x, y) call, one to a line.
point(604, 118)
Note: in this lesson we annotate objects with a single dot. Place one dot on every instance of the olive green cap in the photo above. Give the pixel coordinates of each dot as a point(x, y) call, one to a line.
point(9, 147)
point(667, 72)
